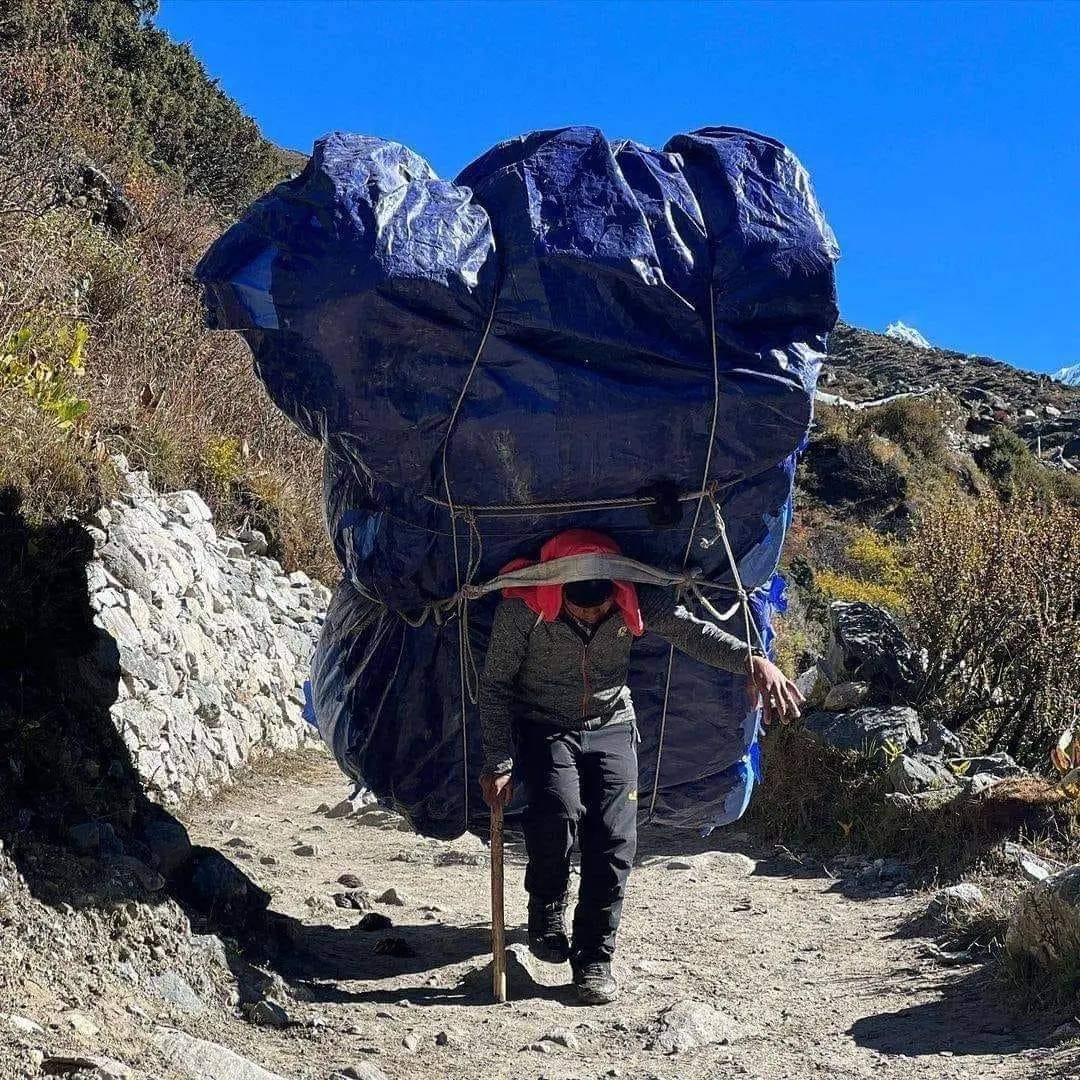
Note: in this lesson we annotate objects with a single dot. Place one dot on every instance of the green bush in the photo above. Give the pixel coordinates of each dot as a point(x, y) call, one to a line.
point(150, 97)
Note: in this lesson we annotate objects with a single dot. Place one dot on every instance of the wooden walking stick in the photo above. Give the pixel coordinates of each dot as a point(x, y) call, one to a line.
point(498, 923)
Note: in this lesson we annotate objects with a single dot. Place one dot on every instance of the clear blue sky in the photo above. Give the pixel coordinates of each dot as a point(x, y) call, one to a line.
point(943, 138)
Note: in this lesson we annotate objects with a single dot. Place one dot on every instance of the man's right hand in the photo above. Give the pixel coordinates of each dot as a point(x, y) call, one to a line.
point(498, 789)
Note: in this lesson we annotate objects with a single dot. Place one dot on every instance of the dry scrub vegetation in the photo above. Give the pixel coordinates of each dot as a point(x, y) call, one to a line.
point(102, 347)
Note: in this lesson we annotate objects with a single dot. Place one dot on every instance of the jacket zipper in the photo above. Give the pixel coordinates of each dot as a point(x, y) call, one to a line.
point(584, 681)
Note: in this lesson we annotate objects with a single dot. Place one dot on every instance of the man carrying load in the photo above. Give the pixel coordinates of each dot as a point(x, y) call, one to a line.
point(555, 677)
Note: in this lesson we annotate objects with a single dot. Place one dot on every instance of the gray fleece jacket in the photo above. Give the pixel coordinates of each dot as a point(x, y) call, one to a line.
point(560, 675)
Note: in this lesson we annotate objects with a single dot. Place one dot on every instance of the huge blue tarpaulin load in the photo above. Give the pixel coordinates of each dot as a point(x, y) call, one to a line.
point(573, 332)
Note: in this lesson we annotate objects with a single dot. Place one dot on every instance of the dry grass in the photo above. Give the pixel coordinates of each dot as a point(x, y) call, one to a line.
point(179, 401)
point(834, 801)
point(994, 598)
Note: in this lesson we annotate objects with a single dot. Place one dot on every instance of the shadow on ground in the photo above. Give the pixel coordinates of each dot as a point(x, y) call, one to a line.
point(73, 814)
point(964, 1020)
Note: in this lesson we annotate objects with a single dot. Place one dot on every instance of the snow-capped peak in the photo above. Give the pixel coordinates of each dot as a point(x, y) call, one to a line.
point(1068, 375)
point(908, 334)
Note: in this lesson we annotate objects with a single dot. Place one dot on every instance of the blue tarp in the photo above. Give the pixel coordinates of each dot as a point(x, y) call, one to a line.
point(555, 326)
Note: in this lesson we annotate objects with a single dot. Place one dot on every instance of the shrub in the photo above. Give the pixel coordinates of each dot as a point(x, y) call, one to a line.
point(915, 424)
point(844, 587)
point(994, 598)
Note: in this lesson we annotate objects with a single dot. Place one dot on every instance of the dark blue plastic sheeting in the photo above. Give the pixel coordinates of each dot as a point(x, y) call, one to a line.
point(561, 324)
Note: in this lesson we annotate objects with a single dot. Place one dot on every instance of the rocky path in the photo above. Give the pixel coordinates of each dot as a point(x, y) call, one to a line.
point(775, 973)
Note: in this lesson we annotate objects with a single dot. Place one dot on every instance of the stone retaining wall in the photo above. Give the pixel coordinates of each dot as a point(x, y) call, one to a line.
point(213, 640)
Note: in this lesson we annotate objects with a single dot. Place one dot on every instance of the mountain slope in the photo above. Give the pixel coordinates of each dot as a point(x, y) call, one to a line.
point(865, 366)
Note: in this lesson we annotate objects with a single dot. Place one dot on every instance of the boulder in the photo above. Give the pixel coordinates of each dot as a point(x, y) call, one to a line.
point(964, 898)
point(866, 730)
point(199, 1059)
point(1044, 928)
point(940, 739)
point(1030, 865)
point(914, 774)
point(866, 645)
point(168, 842)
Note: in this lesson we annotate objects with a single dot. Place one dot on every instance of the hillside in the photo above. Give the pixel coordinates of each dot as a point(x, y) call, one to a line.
point(864, 365)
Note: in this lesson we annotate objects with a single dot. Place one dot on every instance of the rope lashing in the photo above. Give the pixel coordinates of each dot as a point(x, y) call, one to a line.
point(690, 540)
point(463, 622)
point(566, 506)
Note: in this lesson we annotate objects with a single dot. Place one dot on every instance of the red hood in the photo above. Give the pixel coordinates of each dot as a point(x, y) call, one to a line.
point(547, 600)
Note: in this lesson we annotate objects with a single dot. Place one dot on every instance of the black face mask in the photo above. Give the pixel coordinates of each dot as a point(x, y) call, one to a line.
point(590, 593)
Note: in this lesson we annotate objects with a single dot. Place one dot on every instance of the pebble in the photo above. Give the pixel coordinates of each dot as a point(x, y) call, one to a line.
point(23, 1025)
point(561, 1037)
point(350, 881)
point(392, 897)
point(267, 1013)
point(363, 1071)
point(81, 1024)
point(411, 1043)
point(305, 851)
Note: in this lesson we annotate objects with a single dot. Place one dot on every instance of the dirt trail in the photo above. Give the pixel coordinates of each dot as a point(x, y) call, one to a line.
point(814, 982)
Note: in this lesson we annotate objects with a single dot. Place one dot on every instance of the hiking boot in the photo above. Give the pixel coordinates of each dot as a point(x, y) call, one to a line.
point(547, 932)
point(595, 984)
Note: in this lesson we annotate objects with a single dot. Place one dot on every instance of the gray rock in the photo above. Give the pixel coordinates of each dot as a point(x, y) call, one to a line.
point(23, 1025)
point(963, 899)
point(522, 975)
point(267, 1013)
point(687, 1025)
point(306, 851)
point(813, 686)
point(149, 879)
point(912, 775)
point(999, 766)
point(1044, 928)
point(209, 672)
point(373, 921)
point(219, 886)
point(866, 730)
point(174, 989)
point(81, 1024)
point(364, 1070)
point(846, 695)
point(352, 898)
point(392, 897)
point(940, 740)
point(561, 1036)
point(198, 1059)
point(350, 881)
point(1031, 866)
point(866, 645)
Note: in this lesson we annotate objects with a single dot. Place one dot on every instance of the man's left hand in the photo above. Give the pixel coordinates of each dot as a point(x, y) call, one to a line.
point(780, 697)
